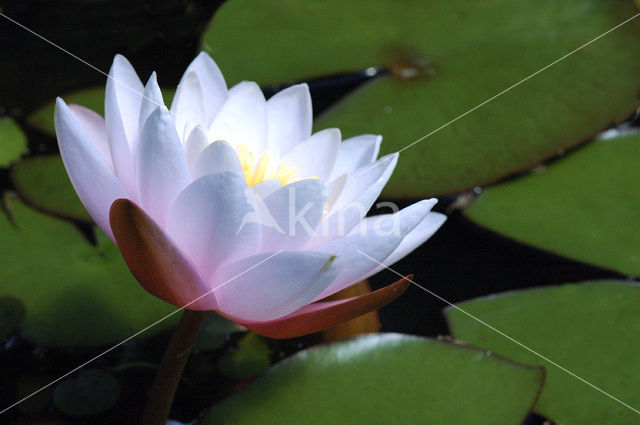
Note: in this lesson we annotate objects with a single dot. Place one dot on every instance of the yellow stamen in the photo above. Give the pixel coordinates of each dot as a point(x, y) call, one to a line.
point(256, 172)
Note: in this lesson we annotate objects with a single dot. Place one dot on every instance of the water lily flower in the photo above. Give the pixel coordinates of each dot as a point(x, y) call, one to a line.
point(227, 201)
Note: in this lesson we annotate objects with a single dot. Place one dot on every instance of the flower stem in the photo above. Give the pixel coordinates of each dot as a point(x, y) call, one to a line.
point(175, 358)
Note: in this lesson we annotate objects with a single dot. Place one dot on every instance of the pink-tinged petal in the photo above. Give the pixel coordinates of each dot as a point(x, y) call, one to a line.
point(214, 88)
point(96, 129)
point(315, 156)
point(324, 315)
point(188, 104)
point(242, 120)
point(360, 191)
point(414, 239)
point(91, 177)
point(271, 285)
point(195, 144)
point(376, 239)
point(355, 153)
point(215, 220)
point(290, 117)
point(155, 261)
point(297, 210)
point(217, 157)
point(151, 101)
point(162, 168)
point(123, 98)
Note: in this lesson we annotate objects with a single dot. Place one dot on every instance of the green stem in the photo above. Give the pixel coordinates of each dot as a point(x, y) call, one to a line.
point(175, 358)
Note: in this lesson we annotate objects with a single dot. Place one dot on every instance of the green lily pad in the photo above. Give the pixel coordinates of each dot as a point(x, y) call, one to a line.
point(90, 392)
point(13, 142)
point(42, 182)
point(584, 206)
point(75, 294)
point(12, 314)
point(445, 58)
point(587, 328)
point(386, 379)
point(249, 359)
point(92, 98)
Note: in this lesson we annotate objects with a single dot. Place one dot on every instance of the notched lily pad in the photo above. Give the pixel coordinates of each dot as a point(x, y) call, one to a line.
point(42, 181)
point(585, 206)
point(386, 379)
point(588, 328)
point(446, 58)
point(90, 392)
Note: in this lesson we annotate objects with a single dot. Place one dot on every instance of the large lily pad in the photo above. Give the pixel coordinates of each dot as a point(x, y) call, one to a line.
point(74, 294)
point(588, 328)
point(585, 206)
point(445, 58)
point(13, 142)
point(42, 181)
point(386, 379)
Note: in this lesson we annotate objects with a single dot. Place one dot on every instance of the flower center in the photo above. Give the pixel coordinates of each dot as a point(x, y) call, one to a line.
point(257, 170)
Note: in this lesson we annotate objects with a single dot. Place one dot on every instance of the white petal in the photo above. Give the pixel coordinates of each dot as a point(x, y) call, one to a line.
point(96, 129)
point(266, 188)
point(188, 104)
point(414, 239)
point(93, 180)
point(361, 190)
point(217, 157)
point(243, 118)
point(378, 237)
point(214, 220)
point(195, 144)
point(356, 153)
point(162, 167)
point(315, 156)
point(214, 88)
point(268, 286)
point(151, 101)
point(123, 98)
point(290, 117)
point(296, 209)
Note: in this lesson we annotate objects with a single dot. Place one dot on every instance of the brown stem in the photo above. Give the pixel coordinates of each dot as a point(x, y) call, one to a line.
point(175, 358)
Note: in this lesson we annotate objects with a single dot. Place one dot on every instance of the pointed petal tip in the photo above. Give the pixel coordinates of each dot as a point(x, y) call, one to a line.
point(326, 314)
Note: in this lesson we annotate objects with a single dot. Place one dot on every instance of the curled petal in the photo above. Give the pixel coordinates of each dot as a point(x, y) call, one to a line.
point(326, 314)
point(155, 261)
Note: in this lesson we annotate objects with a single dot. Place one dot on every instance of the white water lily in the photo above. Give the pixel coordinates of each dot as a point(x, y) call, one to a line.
point(229, 194)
